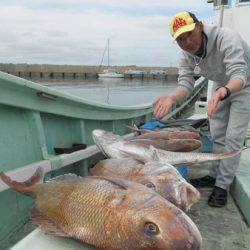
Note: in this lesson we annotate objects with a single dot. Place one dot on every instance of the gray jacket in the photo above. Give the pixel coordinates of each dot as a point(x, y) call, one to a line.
point(228, 56)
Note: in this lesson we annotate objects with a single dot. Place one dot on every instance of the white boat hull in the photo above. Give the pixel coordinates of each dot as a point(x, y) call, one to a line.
point(108, 75)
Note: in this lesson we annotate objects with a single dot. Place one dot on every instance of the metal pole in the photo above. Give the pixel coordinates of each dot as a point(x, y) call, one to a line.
point(212, 85)
point(108, 52)
point(103, 56)
point(220, 24)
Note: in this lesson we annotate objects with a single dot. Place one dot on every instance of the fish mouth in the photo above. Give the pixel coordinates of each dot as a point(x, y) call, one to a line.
point(96, 140)
point(189, 236)
point(98, 133)
point(105, 137)
point(100, 137)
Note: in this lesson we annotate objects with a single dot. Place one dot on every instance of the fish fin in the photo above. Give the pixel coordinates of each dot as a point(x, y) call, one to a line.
point(152, 150)
point(36, 178)
point(48, 226)
point(154, 153)
point(134, 156)
point(134, 128)
point(118, 182)
point(24, 187)
point(66, 177)
point(228, 154)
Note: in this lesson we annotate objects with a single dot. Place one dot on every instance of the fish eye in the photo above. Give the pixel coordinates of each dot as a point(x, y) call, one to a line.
point(151, 228)
point(149, 185)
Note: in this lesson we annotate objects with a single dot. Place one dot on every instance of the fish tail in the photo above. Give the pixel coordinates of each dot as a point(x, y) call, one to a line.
point(217, 156)
point(23, 187)
point(136, 129)
point(229, 154)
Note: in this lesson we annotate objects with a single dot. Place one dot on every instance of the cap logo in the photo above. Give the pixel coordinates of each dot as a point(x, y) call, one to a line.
point(178, 23)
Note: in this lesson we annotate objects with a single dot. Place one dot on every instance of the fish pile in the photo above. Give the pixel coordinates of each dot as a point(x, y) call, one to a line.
point(151, 159)
point(171, 140)
point(114, 146)
point(135, 200)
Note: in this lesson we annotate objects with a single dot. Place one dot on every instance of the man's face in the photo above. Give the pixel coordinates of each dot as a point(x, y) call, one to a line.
point(191, 41)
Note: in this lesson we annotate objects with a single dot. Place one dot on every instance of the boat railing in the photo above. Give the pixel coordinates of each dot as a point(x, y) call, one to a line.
point(54, 163)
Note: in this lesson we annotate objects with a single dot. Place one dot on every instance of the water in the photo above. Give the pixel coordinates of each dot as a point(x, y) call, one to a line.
point(122, 92)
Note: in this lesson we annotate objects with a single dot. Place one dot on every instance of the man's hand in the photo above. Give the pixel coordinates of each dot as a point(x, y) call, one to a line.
point(234, 85)
point(162, 106)
point(217, 96)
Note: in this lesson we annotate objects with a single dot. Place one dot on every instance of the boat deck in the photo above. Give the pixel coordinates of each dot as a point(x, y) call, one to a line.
point(221, 228)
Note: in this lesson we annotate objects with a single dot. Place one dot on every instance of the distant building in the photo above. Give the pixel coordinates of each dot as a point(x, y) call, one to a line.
point(135, 72)
point(157, 72)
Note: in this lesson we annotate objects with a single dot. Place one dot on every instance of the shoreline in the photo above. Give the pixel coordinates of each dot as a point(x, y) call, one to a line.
point(76, 72)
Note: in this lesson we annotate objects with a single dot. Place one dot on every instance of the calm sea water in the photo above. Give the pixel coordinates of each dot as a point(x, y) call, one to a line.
point(122, 92)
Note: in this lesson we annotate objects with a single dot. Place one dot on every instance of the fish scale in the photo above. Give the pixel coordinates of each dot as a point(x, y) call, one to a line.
point(93, 215)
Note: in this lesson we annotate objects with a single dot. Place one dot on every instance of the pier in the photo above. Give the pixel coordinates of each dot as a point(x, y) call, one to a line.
point(78, 72)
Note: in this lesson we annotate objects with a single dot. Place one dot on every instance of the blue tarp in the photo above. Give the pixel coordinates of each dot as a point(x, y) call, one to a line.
point(152, 125)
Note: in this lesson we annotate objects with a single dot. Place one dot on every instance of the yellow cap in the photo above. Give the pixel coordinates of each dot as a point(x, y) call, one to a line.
point(181, 23)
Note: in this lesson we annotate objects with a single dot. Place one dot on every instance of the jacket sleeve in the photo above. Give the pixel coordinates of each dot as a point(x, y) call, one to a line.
point(186, 79)
point(231, 46)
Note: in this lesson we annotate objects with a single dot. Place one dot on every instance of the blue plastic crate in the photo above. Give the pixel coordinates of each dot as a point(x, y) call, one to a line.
point(207, 147)
point(183, 170)
point(207, 144)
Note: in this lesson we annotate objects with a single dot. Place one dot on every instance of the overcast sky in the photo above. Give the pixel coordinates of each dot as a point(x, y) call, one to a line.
point(76, 31)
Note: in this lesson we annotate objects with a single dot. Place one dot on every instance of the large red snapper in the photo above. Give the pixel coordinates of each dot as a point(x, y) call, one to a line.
point(108, 213)
point(163, 178)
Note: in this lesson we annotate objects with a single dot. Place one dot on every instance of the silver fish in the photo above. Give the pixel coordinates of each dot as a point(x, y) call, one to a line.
point(145, 153)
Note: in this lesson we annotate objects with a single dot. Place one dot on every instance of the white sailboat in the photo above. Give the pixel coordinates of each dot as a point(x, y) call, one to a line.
point(109, 73)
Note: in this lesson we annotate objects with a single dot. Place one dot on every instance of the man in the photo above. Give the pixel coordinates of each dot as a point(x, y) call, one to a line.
point(220, 55)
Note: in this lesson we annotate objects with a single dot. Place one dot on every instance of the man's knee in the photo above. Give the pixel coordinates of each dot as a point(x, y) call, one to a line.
point(235, 140)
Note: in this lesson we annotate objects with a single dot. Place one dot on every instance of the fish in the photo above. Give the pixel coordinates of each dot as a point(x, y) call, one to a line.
point(167, 135)
point(147, 153)
point(169, 128)
point(176, 145)
point(107, 213)
point(161, 177)
point(180, 128)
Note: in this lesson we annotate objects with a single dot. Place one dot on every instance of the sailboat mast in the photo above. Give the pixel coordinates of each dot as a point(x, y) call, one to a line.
point(108, 52)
